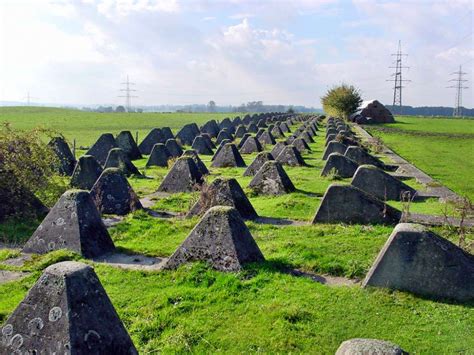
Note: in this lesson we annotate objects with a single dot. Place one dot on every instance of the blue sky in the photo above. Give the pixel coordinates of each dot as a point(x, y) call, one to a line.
point(181, 52)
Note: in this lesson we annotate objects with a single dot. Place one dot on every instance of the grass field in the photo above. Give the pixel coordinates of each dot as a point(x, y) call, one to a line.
point(443, 148)
point(263, 308)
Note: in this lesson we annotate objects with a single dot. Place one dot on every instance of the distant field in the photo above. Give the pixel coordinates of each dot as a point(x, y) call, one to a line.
point(442, 147)
point(86, 127)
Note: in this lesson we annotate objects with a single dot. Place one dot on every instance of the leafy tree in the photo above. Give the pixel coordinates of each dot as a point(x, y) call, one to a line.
point(341, 101)
point(120, 109)
point(212, 106)
point(290, 110)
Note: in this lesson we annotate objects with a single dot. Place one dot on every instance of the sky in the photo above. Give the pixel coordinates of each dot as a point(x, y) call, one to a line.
point(234, 51)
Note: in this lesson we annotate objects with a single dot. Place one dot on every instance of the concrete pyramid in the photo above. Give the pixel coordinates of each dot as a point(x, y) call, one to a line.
point(285, 128)
point(226, 123)
point(201, 146)
point(378, 183)
point(301, 145)
point(159, 156)
point(125, 141)
point(86, 172)
point(278, 148)
point(100, 149)
point(416, 260)
point(330, 138)
point(200, 165)
point(112, 194)
point(266, 138)
point(224, 134)
point(348, 204)
point(271, 179)
point(290, 156)
point(362, 157)
point(334, 147)
point(73, 223)
point(211, 128)
point(67, 311)
point(182, 177)
point(252, 128)
point(277, 132)
point(187, 134)
point(243, 139)
point(340, 165)
point(117, 158)
point(66, 160)
point(228, 156)
point(167, 134)
point(241, 130)
point(219, 148)
point(155, 136)
point(207, 138)
point(262, 124)
point(257, 163)
point(224, 192)
point(222, 239)
point(251, 145)
point(173, 148)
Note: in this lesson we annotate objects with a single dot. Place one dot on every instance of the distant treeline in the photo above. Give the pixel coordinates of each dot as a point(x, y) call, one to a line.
point(428, 111)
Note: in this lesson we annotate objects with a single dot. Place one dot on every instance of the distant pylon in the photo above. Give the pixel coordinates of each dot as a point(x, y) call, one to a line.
point(28, 98)
point(128, 94)
point(397, 78)
point(459, 80)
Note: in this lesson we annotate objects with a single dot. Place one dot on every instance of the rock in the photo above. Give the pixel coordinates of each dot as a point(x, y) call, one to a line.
point(290, 156)
point(334, 147)
point(224, 134)
point(362, 157)
point(159, 156)
point(125, 141)
point(73, 223)
point(67, 311)
point(112, 194)
point(251, 145)
point(187, 134)
point(117, 158)
point(182, 177)
point(257, 163)
point(241, 130)
point(224, 192)
point(154, 137)
point(211, 128)
point(86, 173)
point(222, 239)
point(339, 165)
point(361, 346)
point(266, 138)
point(378, 183)
point(201, 146)
point(348, 204)
point(228, 156)
point(200, 165)
point(173, 148)
point(66, 161)
point(271, 179)
point(277, 149)
point(167, 133)
point(100, 149)
point(301, 145)
point(417, 260)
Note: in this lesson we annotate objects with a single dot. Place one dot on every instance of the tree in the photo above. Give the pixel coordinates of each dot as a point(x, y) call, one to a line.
point(212, 106)
point(120, 109)
point(341, 101)
point(290, 110)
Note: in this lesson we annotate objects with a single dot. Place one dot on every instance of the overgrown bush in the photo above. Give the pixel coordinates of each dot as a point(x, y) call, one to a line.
point(341, 101)
point(26, 167)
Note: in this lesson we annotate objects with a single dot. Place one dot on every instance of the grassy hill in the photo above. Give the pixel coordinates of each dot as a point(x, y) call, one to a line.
point(264, 308)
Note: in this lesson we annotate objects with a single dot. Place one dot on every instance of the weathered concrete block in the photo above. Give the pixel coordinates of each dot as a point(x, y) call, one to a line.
point(173, 148)
point(301, 145)
point(224, 134)
point(117, 158)
point(182, 177)
point(341, 165)
point(251, 145)
point(277, 148)
point(361, 346)
point(334, 147)
point(211, 128)
point(223, 192)
point(348, 204)
point(362, 157)
point(67, 311)
point(201, 146)
point(159, 156)
point(222, 239)
point(418, 261)
point(266, 138)
point(66, 160)
point(257, 163)
point(155, 136)
point(380, 184)
point(272, 179)
point(73, 223)
point(100, 149)
point(228, 156)
point(290, 156)
point(125, 141)
point(199, 163)
point(86, 172)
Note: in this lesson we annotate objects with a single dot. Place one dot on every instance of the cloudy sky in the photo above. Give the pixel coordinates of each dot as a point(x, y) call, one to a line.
point(231, 51)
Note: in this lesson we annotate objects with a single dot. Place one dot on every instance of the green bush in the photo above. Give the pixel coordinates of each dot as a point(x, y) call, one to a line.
point(341, 101)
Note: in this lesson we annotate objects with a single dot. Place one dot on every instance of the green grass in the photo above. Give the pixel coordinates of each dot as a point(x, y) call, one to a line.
point(443, 148)
point(264, 308)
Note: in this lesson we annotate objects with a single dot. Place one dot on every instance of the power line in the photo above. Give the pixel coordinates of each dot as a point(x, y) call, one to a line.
point(397, 78)
point(459, 86)
point(128, 94)
point(28, 98)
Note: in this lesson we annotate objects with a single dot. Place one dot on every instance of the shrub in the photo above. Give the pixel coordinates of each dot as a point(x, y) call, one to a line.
point(341, 101)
